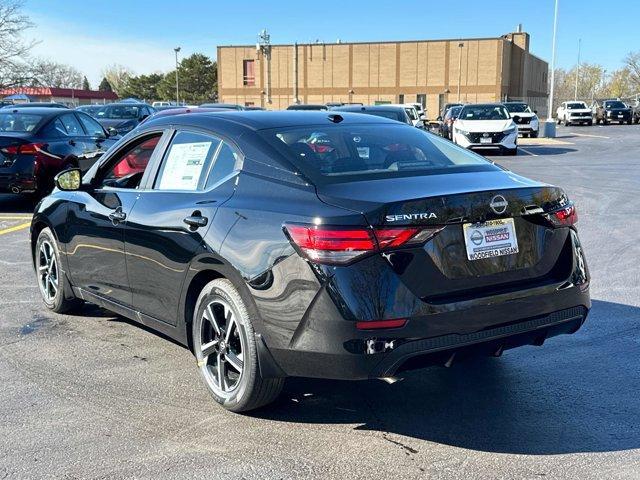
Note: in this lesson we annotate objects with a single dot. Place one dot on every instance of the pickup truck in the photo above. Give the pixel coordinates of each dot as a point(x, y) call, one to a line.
point(574, 112)
point(611, 111)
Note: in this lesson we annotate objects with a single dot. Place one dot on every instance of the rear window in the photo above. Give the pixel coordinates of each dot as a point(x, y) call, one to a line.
point(392, 114)
point(338, 153)
point(18, 122)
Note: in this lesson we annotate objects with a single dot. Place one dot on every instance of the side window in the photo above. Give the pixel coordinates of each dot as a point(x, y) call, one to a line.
point(224, 164)
point(71, 124)
point(93, 128)
point(55, 129)
point(187, 162)
point(129, 166)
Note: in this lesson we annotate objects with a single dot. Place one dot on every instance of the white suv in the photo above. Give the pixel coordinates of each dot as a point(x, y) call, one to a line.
point(412, 113)
point(524, 117)
point(486, 126)
point(574, 112)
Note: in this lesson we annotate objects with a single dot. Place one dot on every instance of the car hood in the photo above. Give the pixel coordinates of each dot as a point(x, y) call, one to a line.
point(483, 125)
point(522, 114)
point(579, 110)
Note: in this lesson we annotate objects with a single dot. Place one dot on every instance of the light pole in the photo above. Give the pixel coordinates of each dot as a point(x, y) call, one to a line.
point(177, 49)
point(460, 45)
point(550, 125)
point(575, 95)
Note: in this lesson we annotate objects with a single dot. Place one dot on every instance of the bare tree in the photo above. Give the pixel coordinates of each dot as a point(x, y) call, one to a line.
point(117, 76)
point(47, 73)
point(632, 64)
point(13, 47)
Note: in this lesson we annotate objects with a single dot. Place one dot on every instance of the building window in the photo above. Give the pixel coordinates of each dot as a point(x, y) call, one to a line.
point(248, 73)
point(401, 98)
point(249, 104)
point(421, 98)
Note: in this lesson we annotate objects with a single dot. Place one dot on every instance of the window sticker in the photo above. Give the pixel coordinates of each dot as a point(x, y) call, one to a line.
point(184, 166)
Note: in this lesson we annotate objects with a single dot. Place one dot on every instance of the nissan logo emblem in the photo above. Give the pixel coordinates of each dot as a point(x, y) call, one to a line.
point(499, 204)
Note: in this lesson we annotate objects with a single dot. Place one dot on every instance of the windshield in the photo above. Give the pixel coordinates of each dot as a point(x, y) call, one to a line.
point(484, 112)
point(576, 106)
point(518, 108)
point(119, 112)
point(336, 153)
point(453, 112)
point(18, 122)
point(615, 104)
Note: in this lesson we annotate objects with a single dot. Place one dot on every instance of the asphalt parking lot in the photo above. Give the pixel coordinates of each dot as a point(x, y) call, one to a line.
point(97, 396)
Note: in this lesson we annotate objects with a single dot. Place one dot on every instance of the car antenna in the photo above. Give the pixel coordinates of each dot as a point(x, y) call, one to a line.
point(335, 118)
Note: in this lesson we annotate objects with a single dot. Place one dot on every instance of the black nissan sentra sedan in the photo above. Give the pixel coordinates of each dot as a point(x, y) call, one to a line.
point(315, 244)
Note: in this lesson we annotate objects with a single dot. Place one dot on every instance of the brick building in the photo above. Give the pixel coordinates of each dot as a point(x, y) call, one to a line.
point(432, 72)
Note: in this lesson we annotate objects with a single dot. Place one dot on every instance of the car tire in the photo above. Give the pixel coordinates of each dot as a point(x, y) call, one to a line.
point(590, 123)
point(54, 286)
point(566, 122)
point(224, 344)
point(534, 134)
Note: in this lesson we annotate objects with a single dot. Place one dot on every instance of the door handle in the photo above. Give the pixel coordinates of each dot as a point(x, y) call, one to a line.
point(72, 143)
point(196, 220)
point(117, 216)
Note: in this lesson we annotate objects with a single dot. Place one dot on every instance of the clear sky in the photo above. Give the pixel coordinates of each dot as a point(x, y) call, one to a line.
point(141, 34)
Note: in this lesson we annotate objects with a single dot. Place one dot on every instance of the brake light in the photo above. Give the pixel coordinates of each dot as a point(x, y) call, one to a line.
point(341, 245)
point(378, 324)
point(27, 149)
point(564, 217)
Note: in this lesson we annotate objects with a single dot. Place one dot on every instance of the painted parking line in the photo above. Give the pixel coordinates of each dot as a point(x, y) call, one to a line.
point(15, 228)
point(15, 217)
point(588, 135)
point(528, 152)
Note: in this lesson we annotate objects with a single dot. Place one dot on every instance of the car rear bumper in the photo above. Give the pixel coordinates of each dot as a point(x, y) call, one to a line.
point(328, 344)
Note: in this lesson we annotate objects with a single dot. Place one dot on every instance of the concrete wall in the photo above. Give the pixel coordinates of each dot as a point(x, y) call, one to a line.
point(490, 69)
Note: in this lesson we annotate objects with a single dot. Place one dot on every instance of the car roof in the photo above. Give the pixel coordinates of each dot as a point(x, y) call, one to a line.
point(260, 120)
point(44, 111)
point(496, 104)
point(514, 103)
point(371, 108)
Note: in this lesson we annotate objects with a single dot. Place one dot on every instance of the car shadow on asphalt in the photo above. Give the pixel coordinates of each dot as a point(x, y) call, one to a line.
point(545, 150)
point(577, 393)
point(10, 203)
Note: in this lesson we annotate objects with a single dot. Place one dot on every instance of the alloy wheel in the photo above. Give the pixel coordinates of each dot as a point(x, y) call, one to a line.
point(221, 347)
point(48, 271)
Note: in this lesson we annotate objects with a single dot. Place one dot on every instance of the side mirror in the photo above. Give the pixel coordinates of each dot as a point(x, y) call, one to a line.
point(112, 132)
point(423, 117)
point(516, 118)
point(535, 111)
point(69, 180)
point(439, 118)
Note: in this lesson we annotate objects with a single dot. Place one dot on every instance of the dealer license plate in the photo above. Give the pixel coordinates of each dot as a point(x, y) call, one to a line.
point(486, 140)
point(493, 238)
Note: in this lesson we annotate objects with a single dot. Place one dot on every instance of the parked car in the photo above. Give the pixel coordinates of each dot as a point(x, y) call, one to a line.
point(608, 111)
point(387, 111)
point(180, 111)
point(38, 143)
point(446, 126)
point(635, 110)
point(308, 106)
point(228, 106)
point(411, 112)
point(422, 112)
point(446, 107)
point(486, 126)
point(254, 107)
point(524, 117)
point(390, 249)
point(90, 109)
point(124, 117)
point(36, 105)
point(574, 112)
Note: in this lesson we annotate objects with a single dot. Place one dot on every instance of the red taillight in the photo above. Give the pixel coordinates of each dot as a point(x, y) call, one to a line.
point(378, 324)
point(26, 149)
point(564, 217)
point(341, 245)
